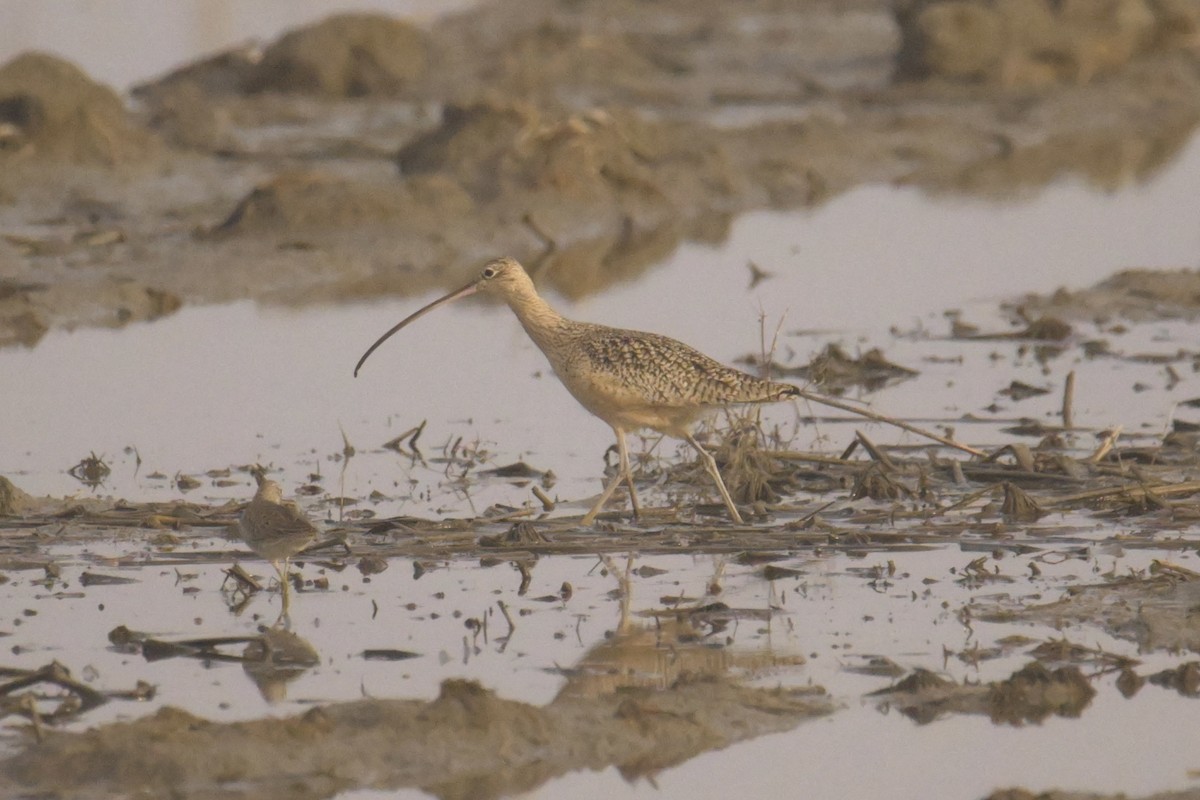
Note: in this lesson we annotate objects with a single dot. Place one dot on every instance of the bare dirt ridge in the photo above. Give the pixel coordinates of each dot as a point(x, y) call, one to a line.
point(363, 155)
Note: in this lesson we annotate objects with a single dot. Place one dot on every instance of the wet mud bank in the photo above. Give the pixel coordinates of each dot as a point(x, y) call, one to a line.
point(466, 743)
point(363, 155)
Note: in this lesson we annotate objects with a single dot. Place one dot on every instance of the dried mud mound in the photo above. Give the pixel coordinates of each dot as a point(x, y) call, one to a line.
point(639, 186)
point(50, 110)
point(298, 202)
point(13, 501)
point(349, 55)
point(345, 55)
point(1037, 42)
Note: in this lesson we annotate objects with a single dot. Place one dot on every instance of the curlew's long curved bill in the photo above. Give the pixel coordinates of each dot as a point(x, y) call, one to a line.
point(465, 291)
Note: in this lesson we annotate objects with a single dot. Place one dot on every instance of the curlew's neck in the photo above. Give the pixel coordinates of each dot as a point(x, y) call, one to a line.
point(539, 320)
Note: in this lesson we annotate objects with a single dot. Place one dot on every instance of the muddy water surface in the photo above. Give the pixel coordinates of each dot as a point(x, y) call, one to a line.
point(898, 620)
point(218, 387)
point(272, 385)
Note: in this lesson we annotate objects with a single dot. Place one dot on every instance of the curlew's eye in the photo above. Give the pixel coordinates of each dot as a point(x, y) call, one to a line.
point(489, 272)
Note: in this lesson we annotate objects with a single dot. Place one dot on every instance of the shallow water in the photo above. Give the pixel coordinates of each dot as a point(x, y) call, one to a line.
point(214, 387)
point(833, 614)
point(224, 386)
point(217, 387)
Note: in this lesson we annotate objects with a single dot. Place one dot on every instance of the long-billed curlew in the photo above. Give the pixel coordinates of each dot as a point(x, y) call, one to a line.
point(629, 379)
point(275, 530)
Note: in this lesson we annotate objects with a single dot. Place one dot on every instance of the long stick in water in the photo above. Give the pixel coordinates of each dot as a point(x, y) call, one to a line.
point(864, 412)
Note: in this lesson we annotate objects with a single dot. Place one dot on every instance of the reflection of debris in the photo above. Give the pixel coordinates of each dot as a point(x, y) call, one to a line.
point(78, 698)
point(520, 534)
point(410, 436)
point(185, 483)
point(96, 579)
point(272, 658)
point(371, 565)
point(90, 471)
point(526, 569)
point(1018, 506)
point(518, 469)
point(1029, 695)
point(879, 666)
point(875, 482)
point(834, 369)
point(1129, 683)
point(757, 274)
point(1136, 294)
point(1034, 693)
point(1061, 651)
point(244, 581)
point(1048, 329)
point(1020, 391)
point(976, 573)
point(275, 658)
point(772, 572)
point(154, 649)
point(1184, 679)
point(1153, 611)
point(384, 654)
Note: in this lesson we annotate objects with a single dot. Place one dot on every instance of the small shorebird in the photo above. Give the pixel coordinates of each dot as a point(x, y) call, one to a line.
point(274, 529)
point(629, 379)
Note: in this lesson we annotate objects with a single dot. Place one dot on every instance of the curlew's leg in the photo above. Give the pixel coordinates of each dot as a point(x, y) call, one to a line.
point(710, 464)
point(626, 469)
point(623, 474)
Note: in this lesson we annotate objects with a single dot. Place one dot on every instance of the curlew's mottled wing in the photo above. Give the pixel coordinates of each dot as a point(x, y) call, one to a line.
point(657, 371)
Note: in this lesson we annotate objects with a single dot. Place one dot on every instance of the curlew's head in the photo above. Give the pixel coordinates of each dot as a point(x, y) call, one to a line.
point(500, 277)
point(504, 278)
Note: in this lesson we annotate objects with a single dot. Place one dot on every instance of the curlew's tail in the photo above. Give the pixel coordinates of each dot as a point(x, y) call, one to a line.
point(748, 389)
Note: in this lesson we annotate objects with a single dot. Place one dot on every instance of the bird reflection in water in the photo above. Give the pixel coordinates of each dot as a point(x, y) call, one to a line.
point(272, 659)
point(682, 643)
point(275, 659)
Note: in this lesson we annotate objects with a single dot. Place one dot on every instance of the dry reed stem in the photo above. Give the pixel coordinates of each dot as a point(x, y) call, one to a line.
point(1068, 416)
point(864, 412)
